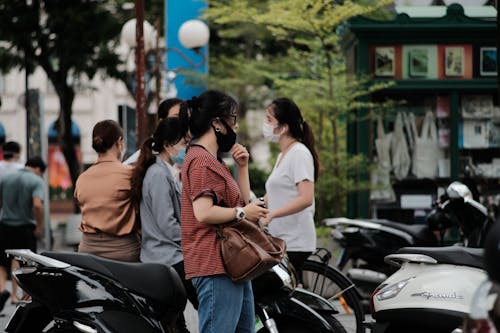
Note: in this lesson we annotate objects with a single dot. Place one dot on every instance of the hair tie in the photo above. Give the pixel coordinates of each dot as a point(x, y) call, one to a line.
point(98, 140)
point(154, 148)
point(194, 102)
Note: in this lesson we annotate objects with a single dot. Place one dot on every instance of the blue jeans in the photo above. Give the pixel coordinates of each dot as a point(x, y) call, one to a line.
point(224, 306)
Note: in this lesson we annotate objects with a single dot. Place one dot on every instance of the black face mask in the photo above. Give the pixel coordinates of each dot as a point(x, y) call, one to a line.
point(225, 141)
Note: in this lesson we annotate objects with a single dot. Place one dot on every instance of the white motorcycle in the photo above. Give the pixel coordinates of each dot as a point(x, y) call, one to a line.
point(433, 289)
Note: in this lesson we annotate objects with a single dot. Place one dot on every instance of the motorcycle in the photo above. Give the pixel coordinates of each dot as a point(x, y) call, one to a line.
point(283, 307)
point(75, 292)
point(365, 243)
point(485, 307)
point(433, 288)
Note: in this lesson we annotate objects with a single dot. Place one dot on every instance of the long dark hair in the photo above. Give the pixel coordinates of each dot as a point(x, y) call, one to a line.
point(166, 105)
point(287, 112)
point(105, 134)
point(168, 132)
point(197, 113)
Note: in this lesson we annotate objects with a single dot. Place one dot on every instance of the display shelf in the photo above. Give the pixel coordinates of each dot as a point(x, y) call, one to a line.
point(420, 57)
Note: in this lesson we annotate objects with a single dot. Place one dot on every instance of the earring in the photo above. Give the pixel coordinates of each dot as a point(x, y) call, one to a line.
point(217, 129)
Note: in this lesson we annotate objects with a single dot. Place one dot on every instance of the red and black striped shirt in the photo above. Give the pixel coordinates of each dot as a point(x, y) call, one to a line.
point(204, 175)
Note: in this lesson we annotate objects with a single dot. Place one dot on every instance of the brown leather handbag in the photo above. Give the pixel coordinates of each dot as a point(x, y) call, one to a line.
point(248, 250)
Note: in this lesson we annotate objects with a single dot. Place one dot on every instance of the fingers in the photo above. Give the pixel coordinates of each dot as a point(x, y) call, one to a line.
point(239, 150)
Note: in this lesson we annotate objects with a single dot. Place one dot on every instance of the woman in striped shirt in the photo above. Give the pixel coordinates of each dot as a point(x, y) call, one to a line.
point(210, 197)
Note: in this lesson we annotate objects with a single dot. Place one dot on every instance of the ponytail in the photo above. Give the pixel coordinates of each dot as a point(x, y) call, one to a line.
point(168, 132)
point(308, 141)
point(145, 160)
point(287, 112)
point(197, 113)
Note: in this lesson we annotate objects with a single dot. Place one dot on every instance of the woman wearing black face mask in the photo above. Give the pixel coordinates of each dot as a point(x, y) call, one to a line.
point(210, 196)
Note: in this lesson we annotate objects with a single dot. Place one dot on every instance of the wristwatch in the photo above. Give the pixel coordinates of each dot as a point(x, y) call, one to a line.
point(240, 213)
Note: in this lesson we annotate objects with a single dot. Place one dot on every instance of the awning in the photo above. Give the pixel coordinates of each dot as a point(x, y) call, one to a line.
point(52, 132)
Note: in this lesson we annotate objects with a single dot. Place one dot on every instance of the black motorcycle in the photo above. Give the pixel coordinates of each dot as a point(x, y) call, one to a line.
point(75, 292)
point(282, 307)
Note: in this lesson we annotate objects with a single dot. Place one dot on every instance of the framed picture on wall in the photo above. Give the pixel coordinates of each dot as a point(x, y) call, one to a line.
point(384, 61)
point(419, 62)
point(488, 61)
point(454, 61)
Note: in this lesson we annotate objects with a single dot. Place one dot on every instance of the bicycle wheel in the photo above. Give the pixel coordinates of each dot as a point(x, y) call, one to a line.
point(328, 282)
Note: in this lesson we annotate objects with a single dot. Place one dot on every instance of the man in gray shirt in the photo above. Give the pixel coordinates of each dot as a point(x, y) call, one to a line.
point(11, 156)
point(21, 223)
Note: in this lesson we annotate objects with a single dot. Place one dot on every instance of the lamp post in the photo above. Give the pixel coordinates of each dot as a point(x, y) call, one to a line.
point(193, 34)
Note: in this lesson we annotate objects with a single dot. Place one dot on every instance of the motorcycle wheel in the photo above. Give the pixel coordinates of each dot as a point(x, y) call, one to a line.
point(326, 281)
point(287, 325)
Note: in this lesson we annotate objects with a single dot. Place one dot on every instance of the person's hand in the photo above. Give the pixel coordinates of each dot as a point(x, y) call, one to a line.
point(254, 211)
point(240, 155)
point(264, 221)
point(38, 232)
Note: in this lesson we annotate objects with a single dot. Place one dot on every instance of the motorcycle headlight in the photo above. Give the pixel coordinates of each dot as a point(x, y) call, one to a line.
point(392, 290)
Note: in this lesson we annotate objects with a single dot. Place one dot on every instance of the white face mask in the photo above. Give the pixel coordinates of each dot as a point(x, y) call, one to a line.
point(268, 133)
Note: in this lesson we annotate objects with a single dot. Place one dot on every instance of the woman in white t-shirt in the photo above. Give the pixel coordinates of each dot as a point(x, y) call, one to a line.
point(290, 187)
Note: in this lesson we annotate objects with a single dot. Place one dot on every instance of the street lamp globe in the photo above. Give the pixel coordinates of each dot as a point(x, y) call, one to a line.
point(194, 34)
point(128, 34)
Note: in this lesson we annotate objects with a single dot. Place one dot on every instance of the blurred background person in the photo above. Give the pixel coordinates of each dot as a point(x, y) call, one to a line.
point(168, 108)
point(21, 223)
point(11, 156)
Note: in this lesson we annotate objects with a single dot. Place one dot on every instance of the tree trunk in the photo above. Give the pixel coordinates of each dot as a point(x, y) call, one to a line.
point(64, 134)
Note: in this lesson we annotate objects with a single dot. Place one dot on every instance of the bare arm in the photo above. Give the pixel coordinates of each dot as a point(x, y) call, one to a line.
point(241, 156)
point(205, 211)
point(38, 209)
point(299, 203)
point(244, 183)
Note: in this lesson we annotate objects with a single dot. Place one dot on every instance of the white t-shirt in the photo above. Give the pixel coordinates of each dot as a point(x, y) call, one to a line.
point(6, 167)
point(297, 229)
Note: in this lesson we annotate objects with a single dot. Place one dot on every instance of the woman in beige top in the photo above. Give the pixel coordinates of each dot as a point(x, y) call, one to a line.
point(103, 193)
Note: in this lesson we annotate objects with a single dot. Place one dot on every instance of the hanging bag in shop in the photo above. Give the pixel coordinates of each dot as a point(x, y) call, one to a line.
point(411, 129)
point(426, 153)
point(401, 160)
point(380, 177)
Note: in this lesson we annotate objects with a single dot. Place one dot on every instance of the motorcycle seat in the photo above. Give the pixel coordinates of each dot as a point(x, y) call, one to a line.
point(454, 255)
point(420, 232)
point(156, 282)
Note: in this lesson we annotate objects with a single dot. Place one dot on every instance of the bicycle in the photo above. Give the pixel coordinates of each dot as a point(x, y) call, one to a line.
point(327, 281)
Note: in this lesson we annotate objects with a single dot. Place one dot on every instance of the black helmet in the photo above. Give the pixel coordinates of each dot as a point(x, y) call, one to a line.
point(492, 253)
point(440, 220)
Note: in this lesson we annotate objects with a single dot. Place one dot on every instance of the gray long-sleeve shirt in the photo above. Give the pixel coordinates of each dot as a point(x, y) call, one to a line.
point(160, 215)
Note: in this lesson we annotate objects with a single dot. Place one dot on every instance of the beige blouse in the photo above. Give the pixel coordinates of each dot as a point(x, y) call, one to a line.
point(103, 194)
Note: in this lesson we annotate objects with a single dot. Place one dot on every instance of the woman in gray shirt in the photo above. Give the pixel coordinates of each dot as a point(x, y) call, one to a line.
point(156, 188)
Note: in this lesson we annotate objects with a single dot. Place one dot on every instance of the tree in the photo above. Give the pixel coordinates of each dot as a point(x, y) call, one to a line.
point(65, 38)
point(311, 70)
